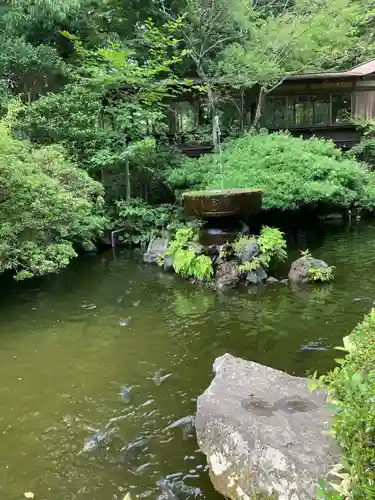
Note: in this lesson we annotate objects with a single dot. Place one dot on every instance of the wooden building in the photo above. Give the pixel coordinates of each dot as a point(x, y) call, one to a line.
point(320, 104)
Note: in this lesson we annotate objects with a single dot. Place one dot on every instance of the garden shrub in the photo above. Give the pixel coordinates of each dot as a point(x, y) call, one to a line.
point(47, 205)
point(186, 257)
point(272, 249)
point(365, 149)
point(318, 274)
point(142, 221)
point(351, 386)
point(291, 171)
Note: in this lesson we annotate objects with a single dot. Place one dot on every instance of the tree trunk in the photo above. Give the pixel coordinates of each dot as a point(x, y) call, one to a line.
point(242, 122)
point(258, 113)
point(214, 120)
point(127, 181)
point(212, 106)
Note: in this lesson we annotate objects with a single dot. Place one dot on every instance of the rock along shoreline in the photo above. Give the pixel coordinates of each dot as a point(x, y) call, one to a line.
point(265, 435)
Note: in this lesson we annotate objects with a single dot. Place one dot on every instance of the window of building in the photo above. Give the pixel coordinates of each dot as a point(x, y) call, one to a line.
point(303, 110)
point(230, 114)
point(321, 105)
point(276, 112)
point(186, 117)
point(341, 108)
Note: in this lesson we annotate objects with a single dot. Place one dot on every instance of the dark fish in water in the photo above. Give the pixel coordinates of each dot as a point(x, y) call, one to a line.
point(134, 449)
point(182, 422)
point(165, 488)
point(88, 306)
point(124, 321)
point(69, 420)
point(359, 299)
point(127, 393)
point(142, 467)
point(147, 403)
point(187, 424)
point(174, 475)
point(159, 379)
point(113, 420)
point(313, 346)
point(188, 431)
point(96, 440)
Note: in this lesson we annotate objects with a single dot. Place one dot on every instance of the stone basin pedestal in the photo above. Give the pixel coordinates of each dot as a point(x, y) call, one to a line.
point(240, 203)
point(223, 210)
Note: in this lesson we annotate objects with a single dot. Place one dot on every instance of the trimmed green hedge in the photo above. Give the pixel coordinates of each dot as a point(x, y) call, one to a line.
point(352, 389)
point(292, 172)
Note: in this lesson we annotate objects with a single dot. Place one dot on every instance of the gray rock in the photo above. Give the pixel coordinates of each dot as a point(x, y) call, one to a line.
point(168, 264)
point(155, 249)
point(248, 252)
point(299, 270)
point(263, 432)
point(227, 275)
point(105, 239)
point(212, 250)
point(256, 277)
point(88, 247)
point(197, 248)
point(225, 252)
point(284, 281)
point(271, 279)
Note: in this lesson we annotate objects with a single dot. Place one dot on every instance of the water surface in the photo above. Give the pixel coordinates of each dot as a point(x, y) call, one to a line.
point(69, 342)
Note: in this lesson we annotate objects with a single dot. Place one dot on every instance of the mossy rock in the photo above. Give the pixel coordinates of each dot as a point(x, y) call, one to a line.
point(222, 203)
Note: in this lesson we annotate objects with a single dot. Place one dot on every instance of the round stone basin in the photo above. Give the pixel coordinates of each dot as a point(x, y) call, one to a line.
point(218, 235)
point(222, 203)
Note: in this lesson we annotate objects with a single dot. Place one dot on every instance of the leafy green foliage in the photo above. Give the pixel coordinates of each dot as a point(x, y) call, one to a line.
point(70, 118)
point(143, 221)
point(272, 246)
point(47, 205)
point(186, 259)
point(109, 117)
point(295, 37)
point(250, 265)
point(242, 242)
point(351, 386)
point(292, 172)
point(321, 274)
point(365, 149)
point(29, 70)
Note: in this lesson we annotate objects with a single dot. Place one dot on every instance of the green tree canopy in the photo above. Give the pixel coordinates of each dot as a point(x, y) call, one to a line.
point(293, 172)
point(47, 206)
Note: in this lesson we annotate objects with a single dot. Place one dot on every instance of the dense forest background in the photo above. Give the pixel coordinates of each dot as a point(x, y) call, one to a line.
point(85, 89)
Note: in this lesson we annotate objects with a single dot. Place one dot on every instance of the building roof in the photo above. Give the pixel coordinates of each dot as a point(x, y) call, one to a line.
point(360, 70)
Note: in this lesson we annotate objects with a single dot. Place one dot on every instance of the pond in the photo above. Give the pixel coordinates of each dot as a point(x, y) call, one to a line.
point(68, 344)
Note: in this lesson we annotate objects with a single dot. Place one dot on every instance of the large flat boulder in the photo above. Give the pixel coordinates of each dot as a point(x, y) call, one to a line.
point(263, 432)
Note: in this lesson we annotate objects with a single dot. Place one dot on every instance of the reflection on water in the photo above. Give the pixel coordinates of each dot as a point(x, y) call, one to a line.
point(72, 344)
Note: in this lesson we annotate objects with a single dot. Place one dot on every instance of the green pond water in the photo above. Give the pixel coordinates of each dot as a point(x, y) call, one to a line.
point(69, 342)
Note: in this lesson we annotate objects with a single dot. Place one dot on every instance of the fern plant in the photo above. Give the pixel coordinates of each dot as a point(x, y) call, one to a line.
point(240, 244)
point(321, 274)
point(250, 265)
point(186, 260)
point(272, 245)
